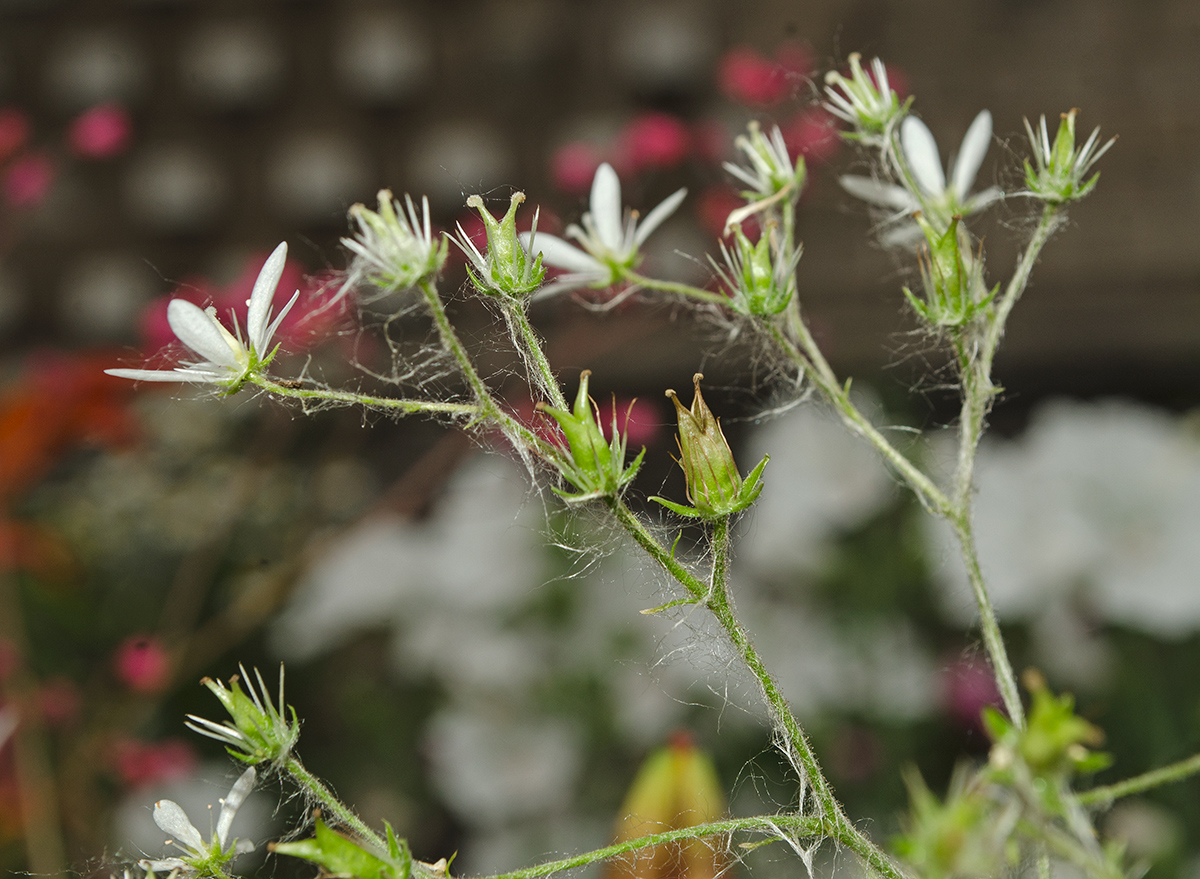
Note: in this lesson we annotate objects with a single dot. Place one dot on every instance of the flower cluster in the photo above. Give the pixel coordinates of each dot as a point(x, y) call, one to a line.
point(1059, 167)
point(394, 248)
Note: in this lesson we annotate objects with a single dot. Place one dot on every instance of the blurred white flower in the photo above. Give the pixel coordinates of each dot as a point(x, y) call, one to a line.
point(610, 238)
point(929, 192)
point(820, 480)
point(228, 358)
point(1096, 502)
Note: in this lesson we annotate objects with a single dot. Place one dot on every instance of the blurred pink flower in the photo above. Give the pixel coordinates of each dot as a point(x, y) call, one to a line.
point(714, 206)
point(641, 420)
point(968, 686)
point(142, 664)
point(101, 132)
point(653, 140)
point(58, 700)
point(141, 763)
point(812, 134)
point(573, 166)
point(28, 180)
point(745, 76)
point(14, 131)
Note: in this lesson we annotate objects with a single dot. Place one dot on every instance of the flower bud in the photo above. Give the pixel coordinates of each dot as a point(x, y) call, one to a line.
point(259, 731)
point(955, 293)
point(714, 486)
point(1059, 168)
point(394, 248)
point(508, 270)
point(597, 466)
point(761, 280)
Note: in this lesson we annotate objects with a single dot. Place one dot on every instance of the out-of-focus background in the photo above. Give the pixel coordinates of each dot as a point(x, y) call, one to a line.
point(482, 691)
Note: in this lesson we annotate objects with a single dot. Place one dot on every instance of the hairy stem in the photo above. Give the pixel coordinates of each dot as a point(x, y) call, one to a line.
point(673, 287)
point(656, 550)
point(1105, 795)
point(768, 825)
point(809, 358)
point(834, 822)
point(344, 814)
point(394, 404)
point(531, 347)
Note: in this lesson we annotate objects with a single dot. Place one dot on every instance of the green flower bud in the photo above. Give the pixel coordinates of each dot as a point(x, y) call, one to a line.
point(761, 280)
point(955, 838)
point(953, 280)
point(714, 486)
point(1056, 176)
point(508, 271)
point(394, 248)
point(259, 732)
point(596, 466)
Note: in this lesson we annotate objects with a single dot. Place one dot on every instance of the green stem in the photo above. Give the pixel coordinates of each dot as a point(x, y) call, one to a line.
point(656, 550)
point(403, 405)
point(1105, 795)
point(317, 789)
point(989, 627)
point(532, 349)
point(767, 825)
point(673, 287)
point(809, 358)
point(834, 822)
point(454, 345)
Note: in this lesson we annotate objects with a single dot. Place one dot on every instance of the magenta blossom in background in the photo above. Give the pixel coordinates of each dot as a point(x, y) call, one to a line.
point(28, 180)
point(101, 132)
point(142, 664)
point(653, 141)
point(968, 686)
point(141, 763)
point(641, 420)
point(59, 701)
point(745, 76)
point(573, 166)
point(14, 131)
point(812, 134)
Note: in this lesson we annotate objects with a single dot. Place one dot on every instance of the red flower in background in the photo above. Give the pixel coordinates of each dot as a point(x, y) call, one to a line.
point(141, 763)
point(747, 77)
point(653, 141)
point(101, 132)
point(812, 134)
point(14, 131)
point(573, 166)
point(142, 664)
point(28, 180)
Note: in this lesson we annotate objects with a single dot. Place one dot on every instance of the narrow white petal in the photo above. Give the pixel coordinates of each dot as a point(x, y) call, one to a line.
point(886, 195)
point(151, 375)
point(566, 283)
point(920, 149)
point(655, 218)
point(201, 332)
point(237, 795)
point(606, 206)
point(270, 332)
point(558, 253)
point(981, 200)
point(263, 296)
point(171, 819)
point(970, 156)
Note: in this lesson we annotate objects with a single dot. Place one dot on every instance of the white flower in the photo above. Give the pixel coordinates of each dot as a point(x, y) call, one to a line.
point(610, 241)
point(927, 190)
point(228, 359)
point(200, 856)
point(394, 247)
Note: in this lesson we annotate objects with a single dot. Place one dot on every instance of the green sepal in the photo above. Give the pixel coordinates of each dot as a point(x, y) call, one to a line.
point(670, 604)
point(690, 512)
point(340, 856)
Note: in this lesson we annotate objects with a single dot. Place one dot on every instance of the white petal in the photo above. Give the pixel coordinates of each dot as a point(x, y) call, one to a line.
point(561, 255)
point(154, 375)
point(606, 206)
point(262, 297)
point(887, 195)
point(566, 283)
point(270, 332)
point(237, 794)
point(974, 147)
point(171, 819)
point(200, 331)
point(655, 218)
point(981, 200)
point(920, 149)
